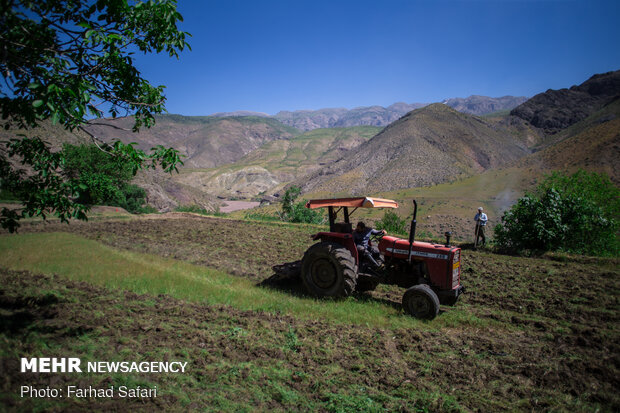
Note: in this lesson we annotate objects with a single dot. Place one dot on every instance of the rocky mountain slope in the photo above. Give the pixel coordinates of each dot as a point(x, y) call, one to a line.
point(278, 162)
point(482, 105)
point(592, 144)
point(555, 110)
point(162, 192)
point(430, 145)
point(339, 117)
point(379, 116)
point(206, 141)
point(306, 120)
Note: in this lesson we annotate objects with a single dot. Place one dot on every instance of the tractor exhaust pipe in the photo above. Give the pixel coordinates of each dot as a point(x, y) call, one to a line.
point(412, 230)
point(413, 222)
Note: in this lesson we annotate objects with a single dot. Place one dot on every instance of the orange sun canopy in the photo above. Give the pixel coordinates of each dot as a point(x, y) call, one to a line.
point(362, 202)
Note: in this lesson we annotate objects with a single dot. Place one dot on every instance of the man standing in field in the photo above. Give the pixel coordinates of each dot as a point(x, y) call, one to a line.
point(481, 223)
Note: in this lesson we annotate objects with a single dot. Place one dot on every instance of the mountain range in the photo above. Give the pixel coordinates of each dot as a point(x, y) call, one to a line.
point(306, 120)
point(555, 110)
point(254, 155)
point(427, 146)
point(436, 144)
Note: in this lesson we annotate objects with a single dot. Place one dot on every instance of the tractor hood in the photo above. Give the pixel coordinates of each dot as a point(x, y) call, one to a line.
point(400, 248)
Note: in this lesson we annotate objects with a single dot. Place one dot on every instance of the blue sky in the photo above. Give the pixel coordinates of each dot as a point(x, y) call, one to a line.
point(268, 56)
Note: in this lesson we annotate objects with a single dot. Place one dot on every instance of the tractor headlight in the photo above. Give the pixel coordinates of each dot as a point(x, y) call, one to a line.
point(457, 257)
point(456, 268)
point(455, 276)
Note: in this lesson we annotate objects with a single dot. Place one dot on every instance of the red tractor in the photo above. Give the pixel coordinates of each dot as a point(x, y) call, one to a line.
point(332, 267)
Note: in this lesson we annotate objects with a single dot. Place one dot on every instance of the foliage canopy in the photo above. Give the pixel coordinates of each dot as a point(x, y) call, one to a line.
point(296, 211)
point(107, 178)
point(392, 223)
point(66, 61)
point(576, 213)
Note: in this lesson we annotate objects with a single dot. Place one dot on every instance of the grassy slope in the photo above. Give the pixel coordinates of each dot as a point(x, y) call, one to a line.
point(445, 207)
point(80, 259)
point(522, 338)
point(306, 150)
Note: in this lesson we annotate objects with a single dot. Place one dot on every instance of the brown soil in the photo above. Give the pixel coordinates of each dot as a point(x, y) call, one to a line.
point(550, 337)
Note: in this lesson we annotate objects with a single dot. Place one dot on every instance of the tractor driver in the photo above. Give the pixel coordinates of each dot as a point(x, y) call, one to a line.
point(361, 237)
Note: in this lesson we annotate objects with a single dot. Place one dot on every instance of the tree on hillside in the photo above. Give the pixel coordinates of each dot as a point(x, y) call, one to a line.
point(66, 61)
point(107, 178)
point(577, 213)
point(296, 211)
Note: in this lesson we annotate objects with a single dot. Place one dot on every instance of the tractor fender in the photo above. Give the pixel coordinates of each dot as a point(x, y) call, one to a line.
point(344, 239)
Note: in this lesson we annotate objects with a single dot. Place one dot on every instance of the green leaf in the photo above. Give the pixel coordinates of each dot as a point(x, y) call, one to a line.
point(37, 103)
point(55, 117)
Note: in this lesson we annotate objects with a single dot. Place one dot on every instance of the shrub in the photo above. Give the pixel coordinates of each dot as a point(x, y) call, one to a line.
point(576, 213)
point(197, 209)
point(392, 223)
point(297, 212)
point(106, 177)
point(132, 198)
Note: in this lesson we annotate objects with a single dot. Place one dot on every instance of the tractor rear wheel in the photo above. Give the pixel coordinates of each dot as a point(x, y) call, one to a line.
point(421, 302)
point(328, 270)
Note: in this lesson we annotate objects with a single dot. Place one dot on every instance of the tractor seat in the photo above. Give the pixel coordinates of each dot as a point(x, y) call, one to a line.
point(343, 227)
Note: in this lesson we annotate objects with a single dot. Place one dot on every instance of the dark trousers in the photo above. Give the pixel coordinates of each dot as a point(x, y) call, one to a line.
point(481, 234)
point(368, 254)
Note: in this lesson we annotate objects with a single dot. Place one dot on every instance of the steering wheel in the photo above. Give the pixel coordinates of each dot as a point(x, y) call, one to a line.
point(377, 237)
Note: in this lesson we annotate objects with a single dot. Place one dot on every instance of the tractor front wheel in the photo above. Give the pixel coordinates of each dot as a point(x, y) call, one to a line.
point(329, 270)
point(421, 302)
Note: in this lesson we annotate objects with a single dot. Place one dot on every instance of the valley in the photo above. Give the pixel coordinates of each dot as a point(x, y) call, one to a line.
point(171, 237)
point(433, 152)
point(196, 289)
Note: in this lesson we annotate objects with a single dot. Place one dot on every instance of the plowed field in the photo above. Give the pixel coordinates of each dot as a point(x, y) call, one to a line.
point(535, 334)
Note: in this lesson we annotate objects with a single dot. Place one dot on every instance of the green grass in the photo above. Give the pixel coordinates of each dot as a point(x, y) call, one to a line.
point(80, 259)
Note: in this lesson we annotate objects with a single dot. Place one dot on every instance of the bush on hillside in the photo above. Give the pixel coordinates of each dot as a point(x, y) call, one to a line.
point(296, 211)
point(392, 223)
point(104, 178)
point(576, 213)
point(197, 209)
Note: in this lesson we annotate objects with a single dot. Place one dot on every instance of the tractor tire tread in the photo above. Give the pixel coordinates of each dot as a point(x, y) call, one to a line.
point(427, 292)
point(344, 259)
